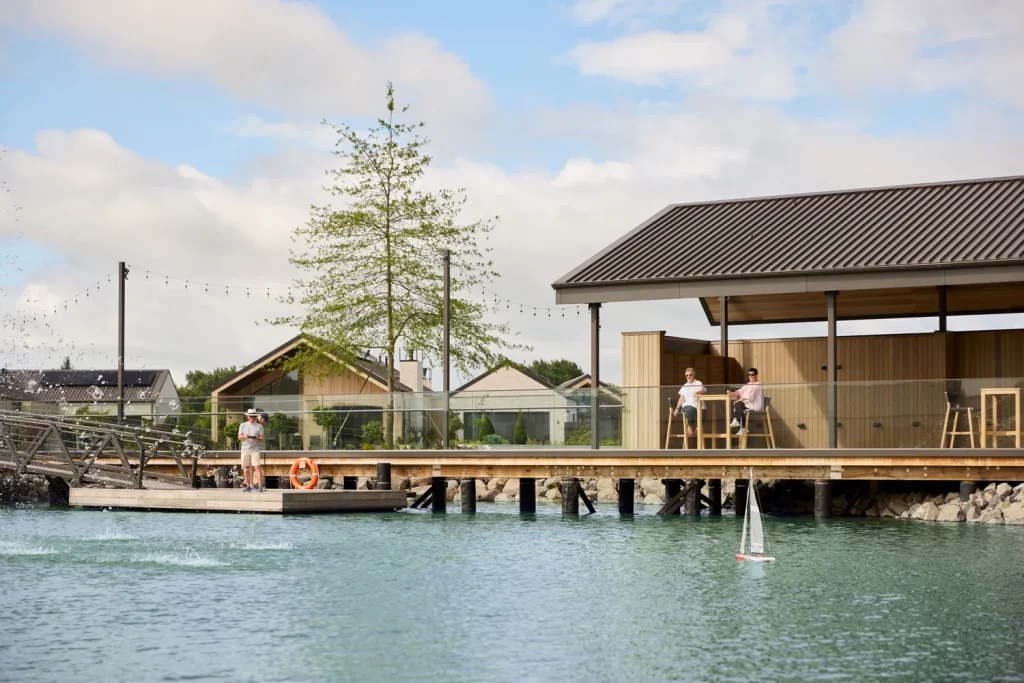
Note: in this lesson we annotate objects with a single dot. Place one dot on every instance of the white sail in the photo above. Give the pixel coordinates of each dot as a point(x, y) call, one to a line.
point(756, 531)
point(743, 536)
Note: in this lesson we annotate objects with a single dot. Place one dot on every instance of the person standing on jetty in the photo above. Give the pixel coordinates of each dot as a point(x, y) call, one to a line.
point(250, 436)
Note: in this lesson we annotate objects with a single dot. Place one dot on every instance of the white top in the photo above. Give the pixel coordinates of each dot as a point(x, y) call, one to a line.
point(689, 392)
point(752, 394)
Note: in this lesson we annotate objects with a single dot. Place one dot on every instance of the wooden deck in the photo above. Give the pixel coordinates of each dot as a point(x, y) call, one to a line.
point(279, 501)
point(953, 464)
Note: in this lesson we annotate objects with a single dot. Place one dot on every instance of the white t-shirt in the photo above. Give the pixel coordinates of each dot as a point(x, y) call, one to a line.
point(689, 392)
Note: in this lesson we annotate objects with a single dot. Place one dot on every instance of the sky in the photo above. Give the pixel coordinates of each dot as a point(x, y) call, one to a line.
point(185, 139)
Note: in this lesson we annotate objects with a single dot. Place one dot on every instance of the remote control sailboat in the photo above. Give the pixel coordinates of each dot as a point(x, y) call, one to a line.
point(752, 520)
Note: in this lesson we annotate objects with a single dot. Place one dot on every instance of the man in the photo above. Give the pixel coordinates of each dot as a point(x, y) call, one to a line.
point(749, 397)
point(250, 436)
point(688, 399)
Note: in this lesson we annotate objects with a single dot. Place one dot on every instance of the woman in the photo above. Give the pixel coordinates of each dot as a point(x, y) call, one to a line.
point(688, 399)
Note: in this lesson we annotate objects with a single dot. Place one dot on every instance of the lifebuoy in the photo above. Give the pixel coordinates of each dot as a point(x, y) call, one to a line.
point(298, 465)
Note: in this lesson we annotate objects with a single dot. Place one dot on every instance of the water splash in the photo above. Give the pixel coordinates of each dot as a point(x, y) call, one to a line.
point(190, 558)
point(14, 549)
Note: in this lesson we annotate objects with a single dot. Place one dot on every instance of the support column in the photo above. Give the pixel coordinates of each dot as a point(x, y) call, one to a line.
point(446, 349)
point(625, 496)
point(438, 494)
point(271, 482)
point(966, 489)
point(691, 506)
point(383, 476)
point(467, 491)
point(122, 275)
point(822, 498)
point(741, 496)
point(724, 321)
point(715, 496)
point(570, 496)
point(833, 374)
point(350, 483)
point(224, 478)
point(595, 374)
point(942, 308)
point(60, 492)
point(672, 488)
point(527, 494)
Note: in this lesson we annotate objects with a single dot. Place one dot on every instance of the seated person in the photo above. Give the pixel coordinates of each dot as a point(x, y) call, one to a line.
point(688, 399)
point(749, 397)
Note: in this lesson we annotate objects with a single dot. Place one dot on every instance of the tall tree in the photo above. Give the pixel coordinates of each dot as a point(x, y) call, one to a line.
point(66, 364)
point(556, 371)
point(375, 265)
point(199, 384)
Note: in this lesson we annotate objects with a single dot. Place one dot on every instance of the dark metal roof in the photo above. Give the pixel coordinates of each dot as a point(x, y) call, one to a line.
point(80, 386)
point(970, 222)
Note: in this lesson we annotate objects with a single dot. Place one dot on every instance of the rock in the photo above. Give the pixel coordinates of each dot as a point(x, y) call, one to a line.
point(991, 487)
point(871, 511)
point(449, 494)
point(887, 513)
point(551, 483)
point(486, 495)
point(913, 510)
point(905, 515)
point(861, 506)
point(400, 484)
point(511, 487)
point(1004, 490)
point(898, 505)
point(972, 514)
point(417, 491)
point(1013, 513)
point(928, 512)
point(1018, 488)
point(607, 491)
point(420, 481)
point(950, 512)
point(503, 498)
point(652, 499)
point(496, 483)
point(652, 486)
point(324, 484)
point(339, 482)
point(950, 497)
point(553, 494)
point(915, 498)
point(991, 516)
point(363, 483)
point(839, 505)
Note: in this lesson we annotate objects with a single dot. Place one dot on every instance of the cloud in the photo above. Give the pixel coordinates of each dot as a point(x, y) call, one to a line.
point(586, 172)
point(615, 11)
point(285, 55)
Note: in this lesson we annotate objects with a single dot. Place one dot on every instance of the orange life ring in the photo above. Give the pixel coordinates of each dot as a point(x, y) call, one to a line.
point(298, 465)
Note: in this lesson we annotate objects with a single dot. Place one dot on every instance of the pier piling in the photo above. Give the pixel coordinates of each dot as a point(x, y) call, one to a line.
point(527, 494)
point(692, 503)
point(467, 491)
point(672, 488)
point(350, 483)
point(224, 479)
point(570, 496)
point(822, 498)
point(60, 492)
point(966, 489)
point(383, 476)
point(626, 496)
point(741, 496)
point(438, 494)
point(715, 496)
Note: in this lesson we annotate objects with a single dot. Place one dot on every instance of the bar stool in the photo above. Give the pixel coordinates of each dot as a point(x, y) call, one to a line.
point(668, 434)
point(766, 426)
point(954, 408)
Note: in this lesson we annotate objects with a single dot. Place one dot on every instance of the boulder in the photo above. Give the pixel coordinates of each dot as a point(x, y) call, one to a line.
point(912, 511)
point(972, 514)
point(991, 487)
point(652, 487)
point(496, 483)
point(928, 512)
point(1018, 488)
point(553, 494)
point(450, 494)
point(398, 483)
point(549, 484)
point(939, 500)
point(324, 484)
point(991, 516)
point(652, 499)
point(1013, 513)
point(607, 491)
point(906, 514)
point(914, 498)
point(451, 484)
point(1004, 490)
point(420, 481)
point(417, 491)
point(364, 483)
point(887, 513)
point(950, 512)
point(950, 497)
point(839, 505)
point(898, 505)
point(511, 487)
point(339, 482)
point(871, 511)
point(486, 495)
point(503, 498)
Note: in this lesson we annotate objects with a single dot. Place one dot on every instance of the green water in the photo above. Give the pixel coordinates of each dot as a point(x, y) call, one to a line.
point(116, 596)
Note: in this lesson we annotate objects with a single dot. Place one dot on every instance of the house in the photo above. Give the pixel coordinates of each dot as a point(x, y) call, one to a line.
point(327, 407)
point(147, 393)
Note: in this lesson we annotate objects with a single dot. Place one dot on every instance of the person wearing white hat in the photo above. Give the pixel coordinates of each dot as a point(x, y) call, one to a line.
point(250, 436)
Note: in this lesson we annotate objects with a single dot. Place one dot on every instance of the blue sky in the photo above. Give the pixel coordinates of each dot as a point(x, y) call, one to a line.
point(182, 134)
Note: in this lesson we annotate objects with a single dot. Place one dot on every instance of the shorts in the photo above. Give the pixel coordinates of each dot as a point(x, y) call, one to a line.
point(691, 415)
point(252, 458)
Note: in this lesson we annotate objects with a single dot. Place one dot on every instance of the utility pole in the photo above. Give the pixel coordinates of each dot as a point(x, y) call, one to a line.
point(447, 343)
point(122, 276)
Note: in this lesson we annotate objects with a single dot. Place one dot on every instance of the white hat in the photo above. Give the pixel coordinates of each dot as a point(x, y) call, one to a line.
point(251, 411)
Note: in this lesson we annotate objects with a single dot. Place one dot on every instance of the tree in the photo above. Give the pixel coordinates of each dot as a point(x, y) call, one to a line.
point(484, 427)
point(200, 384)
point(375, 265)
point(373, 432)
point(454, 425)
point(556, 371)
point(66, 365)
point(519, 436)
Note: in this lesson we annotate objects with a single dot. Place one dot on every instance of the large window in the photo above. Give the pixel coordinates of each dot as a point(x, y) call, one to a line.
point(538, 425)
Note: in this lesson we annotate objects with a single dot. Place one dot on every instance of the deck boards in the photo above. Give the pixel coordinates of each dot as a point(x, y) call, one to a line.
point(276, 501)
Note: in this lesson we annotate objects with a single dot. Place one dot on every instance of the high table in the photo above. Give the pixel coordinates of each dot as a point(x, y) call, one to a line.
point(726, 402)
point(994, 395)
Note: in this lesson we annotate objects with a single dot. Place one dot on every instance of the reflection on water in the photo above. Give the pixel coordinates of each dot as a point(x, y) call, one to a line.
point(499, 596)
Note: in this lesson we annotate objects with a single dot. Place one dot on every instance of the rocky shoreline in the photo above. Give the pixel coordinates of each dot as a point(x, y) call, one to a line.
point(19, 489)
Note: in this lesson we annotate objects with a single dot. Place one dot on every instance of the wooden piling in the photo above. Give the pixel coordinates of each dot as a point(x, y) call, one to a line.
point(691, 506)
point(822, 498)
point(60, 492)
point(527, 494)
point(570, 496)
point(626, 496)
point(224, 479)
point(383, 476)
point(672, 488)
point(741, 496)
point(438, 494)
point(715, 496)
point(966, 489)
point(350, 483)
point(467, 490)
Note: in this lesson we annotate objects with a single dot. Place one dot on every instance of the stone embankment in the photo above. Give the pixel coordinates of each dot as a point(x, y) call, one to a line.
point(23, 488)
point(995, 504)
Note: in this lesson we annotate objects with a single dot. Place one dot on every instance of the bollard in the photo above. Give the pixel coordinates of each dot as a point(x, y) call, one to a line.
point(350, 483)
point(570, 496)
point(527, 494)
point(741, 496)
point(715, 496)
point(467, 491)
point(672, 488)
point(822, 498)
point(383, 476)
point(438, 494)
point(966, 489)
point(625, 496)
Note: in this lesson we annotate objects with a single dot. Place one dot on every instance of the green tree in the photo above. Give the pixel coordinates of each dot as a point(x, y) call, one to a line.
point(375, 265)
point(200, 384)
point(556, 371)
point(66, 365)
point(454, 425)
point(519, 436)
point(373, 432)
point(484, 427)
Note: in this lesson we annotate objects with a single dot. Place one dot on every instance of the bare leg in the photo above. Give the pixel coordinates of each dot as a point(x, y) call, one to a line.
point(257, 479)
point(248, 475)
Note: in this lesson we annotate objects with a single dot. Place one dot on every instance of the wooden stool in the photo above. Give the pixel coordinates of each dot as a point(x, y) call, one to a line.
point(953, 407)
point(704, 400)
point(766, 426)
point(668, 434)
point(993, 395)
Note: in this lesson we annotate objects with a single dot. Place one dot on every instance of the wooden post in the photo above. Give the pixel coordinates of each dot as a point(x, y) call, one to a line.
point(527, 494)
point(715, 496)
point(60, 492)
point(224, 479)
point(724, 305)
point(672, 488)
point(966, 489)
point(942, 308)
point(570, 496)
point(467, 491)
point(692, 503)
point(822, 498)
point(438, 494)
point(741, 496)
point(625, 496)
point(833, 374)
point(595, 374)
point(350, 483)
point(383, 476)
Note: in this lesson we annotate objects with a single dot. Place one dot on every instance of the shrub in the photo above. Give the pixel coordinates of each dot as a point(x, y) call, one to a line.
point(493, 440)
point(519, 436)
point(373, 432)
point(484, 427)
point(578, 437)
point(454, 425)
point(324, 417)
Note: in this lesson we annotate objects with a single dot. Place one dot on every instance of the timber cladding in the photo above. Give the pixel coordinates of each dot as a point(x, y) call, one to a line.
point(900, 380)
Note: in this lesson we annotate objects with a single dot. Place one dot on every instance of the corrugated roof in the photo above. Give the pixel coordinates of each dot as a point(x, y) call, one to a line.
point(80, 386)
point(971, 222)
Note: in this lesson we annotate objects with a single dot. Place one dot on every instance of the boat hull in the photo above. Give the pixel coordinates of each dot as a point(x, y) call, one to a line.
point(755, 558)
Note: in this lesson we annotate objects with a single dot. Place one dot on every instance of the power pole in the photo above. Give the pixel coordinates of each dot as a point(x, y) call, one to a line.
point(122, 276)
point(447, 343)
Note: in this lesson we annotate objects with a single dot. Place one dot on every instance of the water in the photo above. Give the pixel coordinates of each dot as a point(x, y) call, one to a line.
point(121, 596)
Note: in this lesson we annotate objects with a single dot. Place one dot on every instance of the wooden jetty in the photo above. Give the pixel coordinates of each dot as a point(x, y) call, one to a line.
point(273, 501)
